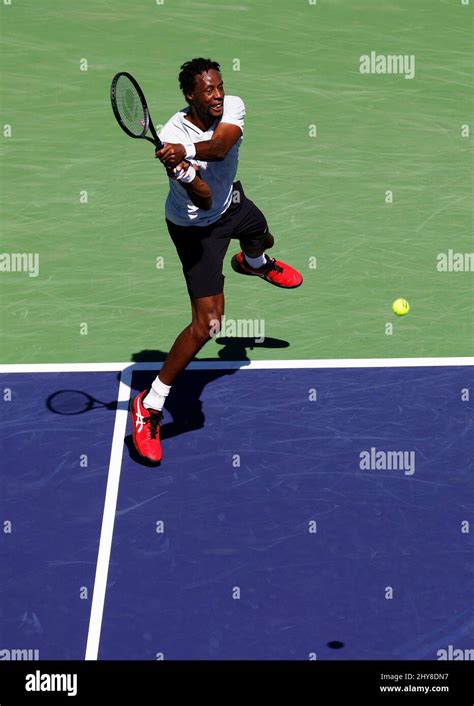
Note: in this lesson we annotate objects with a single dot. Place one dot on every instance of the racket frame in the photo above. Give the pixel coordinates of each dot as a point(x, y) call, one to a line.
point(155, 140)
point(86, 406)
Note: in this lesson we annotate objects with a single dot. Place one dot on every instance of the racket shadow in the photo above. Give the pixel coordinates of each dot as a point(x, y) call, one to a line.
point(74, 402)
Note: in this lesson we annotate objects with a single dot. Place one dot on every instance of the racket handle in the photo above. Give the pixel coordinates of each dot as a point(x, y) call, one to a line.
point(156, 140)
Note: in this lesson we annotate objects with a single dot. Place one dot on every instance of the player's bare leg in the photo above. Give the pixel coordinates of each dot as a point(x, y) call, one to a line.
point(206, 311)
point(146, 407)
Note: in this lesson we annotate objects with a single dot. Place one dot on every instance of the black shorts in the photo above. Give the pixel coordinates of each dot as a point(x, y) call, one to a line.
point(202, 249)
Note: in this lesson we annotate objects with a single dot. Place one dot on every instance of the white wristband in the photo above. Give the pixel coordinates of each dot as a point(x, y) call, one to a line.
point(190, 150)
point(186, 177)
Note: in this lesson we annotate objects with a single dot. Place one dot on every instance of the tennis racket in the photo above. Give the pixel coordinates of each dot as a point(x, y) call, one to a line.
point(131, 110)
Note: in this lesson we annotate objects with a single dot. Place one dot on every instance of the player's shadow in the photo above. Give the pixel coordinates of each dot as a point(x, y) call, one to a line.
point(184, 402)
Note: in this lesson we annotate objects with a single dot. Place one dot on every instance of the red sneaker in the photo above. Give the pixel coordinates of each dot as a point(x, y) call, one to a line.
point(146, 428)
point(278, 273)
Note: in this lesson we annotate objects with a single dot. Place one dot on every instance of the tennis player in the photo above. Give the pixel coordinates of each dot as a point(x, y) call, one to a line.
point(205, 209)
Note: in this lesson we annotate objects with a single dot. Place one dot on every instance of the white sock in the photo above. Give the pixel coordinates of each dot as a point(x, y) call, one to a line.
point(256, 262)
point(157, 396)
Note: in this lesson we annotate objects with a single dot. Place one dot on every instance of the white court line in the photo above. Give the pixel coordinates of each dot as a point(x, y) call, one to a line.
point(108, 518)
point(242, 364)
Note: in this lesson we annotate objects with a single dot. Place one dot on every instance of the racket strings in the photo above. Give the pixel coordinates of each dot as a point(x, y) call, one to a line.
point(70, 402)
point(130, 107)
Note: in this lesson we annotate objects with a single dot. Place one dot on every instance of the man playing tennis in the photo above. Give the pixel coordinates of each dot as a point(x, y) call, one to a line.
point(205, 208)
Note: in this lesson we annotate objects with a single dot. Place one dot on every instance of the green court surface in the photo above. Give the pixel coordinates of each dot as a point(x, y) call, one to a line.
point(324, 196)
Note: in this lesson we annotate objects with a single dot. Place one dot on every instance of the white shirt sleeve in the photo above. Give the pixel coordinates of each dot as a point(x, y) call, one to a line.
point(172, 133)
point(234, 111)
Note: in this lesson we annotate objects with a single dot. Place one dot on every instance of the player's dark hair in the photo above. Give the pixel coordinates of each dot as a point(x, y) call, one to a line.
point(191, 69)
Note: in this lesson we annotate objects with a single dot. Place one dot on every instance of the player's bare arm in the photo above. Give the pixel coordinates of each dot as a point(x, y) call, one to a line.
point(224, 138)
point(189, 178)
point(199, 192)
point(215, 150)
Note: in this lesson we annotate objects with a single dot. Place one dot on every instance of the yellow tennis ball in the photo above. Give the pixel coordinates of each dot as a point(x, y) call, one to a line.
point(400, 307)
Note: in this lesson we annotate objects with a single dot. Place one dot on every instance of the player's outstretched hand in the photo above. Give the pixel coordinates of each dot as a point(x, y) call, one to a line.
point(171, 155)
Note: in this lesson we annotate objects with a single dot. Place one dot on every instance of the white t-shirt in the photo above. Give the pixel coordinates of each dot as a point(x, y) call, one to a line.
point(218, 175)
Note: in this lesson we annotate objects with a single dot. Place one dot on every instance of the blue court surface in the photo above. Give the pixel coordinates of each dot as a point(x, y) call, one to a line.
point(304, 513)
